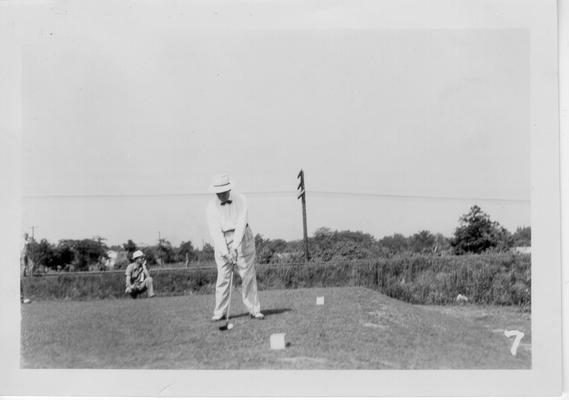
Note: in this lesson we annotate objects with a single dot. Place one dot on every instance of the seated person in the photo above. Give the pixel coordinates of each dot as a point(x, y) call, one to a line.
point(138, 278)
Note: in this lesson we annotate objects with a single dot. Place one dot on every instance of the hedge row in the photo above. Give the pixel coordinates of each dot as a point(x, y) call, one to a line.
point(500, 279)
point(111, 284)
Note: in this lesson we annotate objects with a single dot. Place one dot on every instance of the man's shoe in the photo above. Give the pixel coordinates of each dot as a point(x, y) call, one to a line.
point(257, 315)
point(217, 319)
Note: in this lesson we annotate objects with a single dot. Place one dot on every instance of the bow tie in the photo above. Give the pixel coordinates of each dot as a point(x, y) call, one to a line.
point(226, 202)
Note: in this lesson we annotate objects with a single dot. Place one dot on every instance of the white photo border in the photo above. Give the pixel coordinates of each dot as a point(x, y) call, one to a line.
point(539, 17)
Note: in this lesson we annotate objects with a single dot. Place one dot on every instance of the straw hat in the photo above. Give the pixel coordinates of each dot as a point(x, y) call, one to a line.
point(220, 183)
point(137, 254)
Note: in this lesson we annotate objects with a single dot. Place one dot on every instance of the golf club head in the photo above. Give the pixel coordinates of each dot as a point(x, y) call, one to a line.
point(226, 327)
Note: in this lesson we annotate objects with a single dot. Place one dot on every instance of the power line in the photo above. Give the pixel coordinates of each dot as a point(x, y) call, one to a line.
point(275, 193)
point(421, 197)
point(110, 195)
point(148, 195)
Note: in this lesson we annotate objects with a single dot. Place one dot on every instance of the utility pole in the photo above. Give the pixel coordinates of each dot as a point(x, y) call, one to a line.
point(302, 196)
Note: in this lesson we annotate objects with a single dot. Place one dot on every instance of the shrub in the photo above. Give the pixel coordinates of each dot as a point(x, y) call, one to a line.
point(501, 279)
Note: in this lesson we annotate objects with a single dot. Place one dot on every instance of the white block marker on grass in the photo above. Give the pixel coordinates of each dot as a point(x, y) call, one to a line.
point(278, 341)
point(320, 301)
point(519, 335)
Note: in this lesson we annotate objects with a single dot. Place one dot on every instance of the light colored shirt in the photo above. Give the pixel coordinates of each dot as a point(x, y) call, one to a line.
point(136, 273)
point(225, 218)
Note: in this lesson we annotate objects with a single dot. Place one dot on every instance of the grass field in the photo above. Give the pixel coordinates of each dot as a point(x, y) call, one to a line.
point(357, 328)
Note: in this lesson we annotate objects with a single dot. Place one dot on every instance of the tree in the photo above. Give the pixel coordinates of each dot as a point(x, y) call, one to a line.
point(150, 253)
point(522, 237)
point(477, 233)
point(65, 253)
point(186, 248)
point(329, 245)
point(44, 254)
point(130, 248)
point(88, 252)
point(206, 253)
point(81, 253)
point(395, 244)
point(165, 252)
point(422, 242)
point(322, 242)
point(268, 250)
point(259, 241)
point(323, 231)
point(504, 238)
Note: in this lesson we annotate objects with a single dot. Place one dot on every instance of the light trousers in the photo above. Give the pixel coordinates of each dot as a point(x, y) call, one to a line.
point(245, 268)
point(141, 287)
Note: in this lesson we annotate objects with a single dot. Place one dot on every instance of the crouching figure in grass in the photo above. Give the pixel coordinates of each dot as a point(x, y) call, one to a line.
point(138, 279)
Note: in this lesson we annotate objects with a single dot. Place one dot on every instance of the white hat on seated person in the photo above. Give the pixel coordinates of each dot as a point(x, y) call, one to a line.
point(137, 254)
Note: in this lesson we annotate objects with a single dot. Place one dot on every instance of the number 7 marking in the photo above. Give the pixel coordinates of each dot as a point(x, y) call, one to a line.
point(519, 335)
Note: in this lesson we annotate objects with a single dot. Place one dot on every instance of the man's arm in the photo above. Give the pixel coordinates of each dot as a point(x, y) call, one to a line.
point(128, 274)
point(242, 220)
point(215, 231)
point(145, 271)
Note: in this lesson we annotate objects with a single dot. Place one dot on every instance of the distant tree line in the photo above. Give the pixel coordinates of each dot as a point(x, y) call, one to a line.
point(165, 253)
point(475, 234)
point(66, 254)
point(93, 254)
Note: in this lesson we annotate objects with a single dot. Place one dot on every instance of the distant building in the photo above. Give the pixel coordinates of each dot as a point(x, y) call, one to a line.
point(523, 250)
point(111, 259)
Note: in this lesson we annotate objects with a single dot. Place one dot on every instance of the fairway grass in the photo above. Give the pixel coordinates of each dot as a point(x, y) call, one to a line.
point(356, 328)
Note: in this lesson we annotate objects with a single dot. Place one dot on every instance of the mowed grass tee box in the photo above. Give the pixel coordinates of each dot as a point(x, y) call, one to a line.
point(356, 328)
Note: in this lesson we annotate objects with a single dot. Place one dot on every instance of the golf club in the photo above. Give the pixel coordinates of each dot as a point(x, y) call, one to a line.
point(228, 326)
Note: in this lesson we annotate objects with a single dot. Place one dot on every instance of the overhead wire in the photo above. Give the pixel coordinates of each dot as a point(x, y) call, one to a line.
point(272, 193)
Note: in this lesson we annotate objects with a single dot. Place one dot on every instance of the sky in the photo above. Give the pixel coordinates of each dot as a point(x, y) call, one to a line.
point(127, 115)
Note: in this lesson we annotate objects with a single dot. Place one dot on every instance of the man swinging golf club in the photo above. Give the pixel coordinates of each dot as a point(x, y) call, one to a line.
point(234, 245)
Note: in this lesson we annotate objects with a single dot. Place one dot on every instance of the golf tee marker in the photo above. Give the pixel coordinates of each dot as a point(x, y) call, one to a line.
point(278, 341)
point(519, 335)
